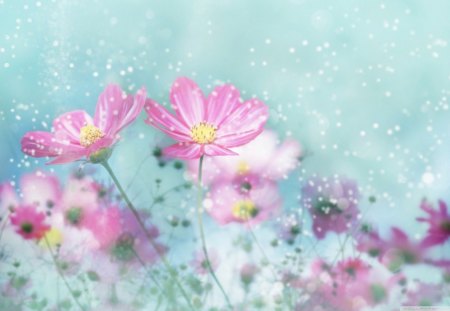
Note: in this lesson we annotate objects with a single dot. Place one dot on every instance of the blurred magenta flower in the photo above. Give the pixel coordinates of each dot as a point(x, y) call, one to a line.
point(228, 204)
point(76, 134)
point(400, 251)
point(29, 223)
point(439, 223)
point(206, 126)
point(275, 163)
point(332, 203)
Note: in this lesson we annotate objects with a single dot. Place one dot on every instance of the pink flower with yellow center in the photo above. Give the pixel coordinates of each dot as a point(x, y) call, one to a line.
point(207, 126)
point(29, 223)
point(76, 134)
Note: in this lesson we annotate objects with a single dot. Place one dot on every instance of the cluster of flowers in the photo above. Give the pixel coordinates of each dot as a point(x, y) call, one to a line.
point(87, 227)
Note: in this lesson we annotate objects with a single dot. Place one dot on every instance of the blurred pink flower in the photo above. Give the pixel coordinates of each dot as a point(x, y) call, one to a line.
point(206, 126)
point(371, 243)
point(438, 221)
point(41, 189)
point(400, 251)
point(248, 272)
point(80, 201)
point(76, 134)
point(8, 197)
point(424, 294)
point(350, 285)
point(333, 204)
point(276, 162)
point(200, 263)
point(105, 225)
point(29, 223)
point(227, 204)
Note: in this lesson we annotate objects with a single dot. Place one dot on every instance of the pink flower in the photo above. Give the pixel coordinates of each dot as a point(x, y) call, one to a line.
point(228, 204)
point(206, 126)
point(276, 162)
point(248, 272)
point(80, 201)
point(8, 198)
point(333, 204)
point(200, 263)
point(424, 295)
point(349, 286)
point(40, 189)
point(371, 243)
point(439, 223)
point(29, 223)
point(76, 134)
point(105, 225)
point(400, 251)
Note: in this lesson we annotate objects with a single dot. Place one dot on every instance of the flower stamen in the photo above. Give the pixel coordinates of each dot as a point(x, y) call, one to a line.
point(203, 133)
point(89, 135)
point(244, 210)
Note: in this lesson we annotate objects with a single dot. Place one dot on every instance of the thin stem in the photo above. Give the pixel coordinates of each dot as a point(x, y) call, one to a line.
point(261, 249)
point(61, 274)
point(202, 234)
point(161, 255)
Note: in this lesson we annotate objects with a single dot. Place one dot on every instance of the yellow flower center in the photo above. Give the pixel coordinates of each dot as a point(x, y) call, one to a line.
point(203, 133)
point(244, 209)
point(53, 237)
point(243, 167)
point(90, 134)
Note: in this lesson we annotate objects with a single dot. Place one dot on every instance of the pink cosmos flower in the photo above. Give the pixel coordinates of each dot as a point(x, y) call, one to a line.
point(206, 126)
point(76, 134)
point(275, 163)
point(200, 263)
point(29, 223)
point(400, 251)
point(333, 204)
point(439, 223)
point(228, 204)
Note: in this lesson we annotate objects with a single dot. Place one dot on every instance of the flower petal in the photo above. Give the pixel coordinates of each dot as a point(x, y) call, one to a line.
point(184, 151)
point(188, 101)
point(115, 109)
point(215, 150)
point(44, 144)
point(285, 159)
point(67, 126)
point(222, 101)
point(8, 197)
point(40, 189)
point(244, 124)
point(160, 118)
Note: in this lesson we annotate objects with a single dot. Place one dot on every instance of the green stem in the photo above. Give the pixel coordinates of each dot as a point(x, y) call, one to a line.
point(202, 234)
point(172, 272)
point(261, 249)
point(61, 274)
